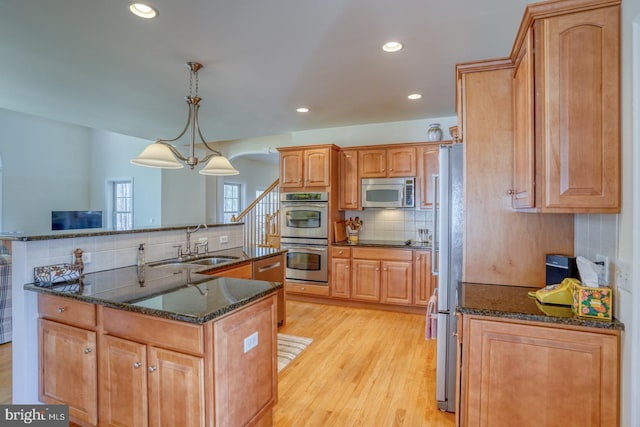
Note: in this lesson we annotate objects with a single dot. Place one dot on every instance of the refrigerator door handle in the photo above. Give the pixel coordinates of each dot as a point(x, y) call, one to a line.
point(441, 357)
point(434, 223)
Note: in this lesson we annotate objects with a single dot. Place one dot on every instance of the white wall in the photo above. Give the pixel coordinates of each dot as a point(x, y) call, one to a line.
point(253, 176)
point(110, 155)
point(45, 169)
point(184, 196)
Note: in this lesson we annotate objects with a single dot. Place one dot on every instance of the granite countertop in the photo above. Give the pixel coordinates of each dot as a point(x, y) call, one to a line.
point(178, 292)
point(385, 244)
point(513, 302)
point(88, 232)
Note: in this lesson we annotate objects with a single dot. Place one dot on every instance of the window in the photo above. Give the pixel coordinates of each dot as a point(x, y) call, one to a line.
point(231, 201)
point(122, 205)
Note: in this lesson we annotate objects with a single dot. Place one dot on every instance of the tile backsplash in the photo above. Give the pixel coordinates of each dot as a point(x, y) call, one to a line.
point(392, 224)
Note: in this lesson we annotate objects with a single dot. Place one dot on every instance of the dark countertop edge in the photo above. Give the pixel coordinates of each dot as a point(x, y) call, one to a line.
point(571, 321)
point(68, 234)
point(381, 244)
point(158, 313)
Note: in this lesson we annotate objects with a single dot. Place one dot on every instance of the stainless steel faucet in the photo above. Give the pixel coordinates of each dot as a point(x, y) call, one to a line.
point(188, 252)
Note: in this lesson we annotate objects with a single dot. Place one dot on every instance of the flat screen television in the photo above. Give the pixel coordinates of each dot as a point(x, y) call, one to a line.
point(74, 220)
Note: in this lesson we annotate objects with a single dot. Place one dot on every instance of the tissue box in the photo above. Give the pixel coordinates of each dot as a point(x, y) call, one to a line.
point(49, 275)
point(592, 303)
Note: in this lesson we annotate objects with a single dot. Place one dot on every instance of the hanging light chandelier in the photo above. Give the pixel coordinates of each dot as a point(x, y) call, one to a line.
point(161, 154)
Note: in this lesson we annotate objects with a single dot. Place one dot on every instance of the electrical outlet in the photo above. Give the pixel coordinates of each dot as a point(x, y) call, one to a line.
point(623, 272)
point(224, 239)
point(203, 240)
point(250, 342)
point(86, 258)
point(603, 275)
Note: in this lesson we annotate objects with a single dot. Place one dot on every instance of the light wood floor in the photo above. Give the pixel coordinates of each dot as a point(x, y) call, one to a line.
point(364, 368)
point(5, 373)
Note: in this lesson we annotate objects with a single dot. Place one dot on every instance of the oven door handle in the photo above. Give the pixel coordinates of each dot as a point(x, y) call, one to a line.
point(306, 248)
point(304, 205)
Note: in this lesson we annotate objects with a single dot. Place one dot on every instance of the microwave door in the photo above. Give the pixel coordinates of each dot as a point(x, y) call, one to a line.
point(382, 196)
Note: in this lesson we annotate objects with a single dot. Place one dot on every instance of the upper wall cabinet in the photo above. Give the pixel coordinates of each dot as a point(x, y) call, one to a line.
point(387, 163)
point(349, 182)
point(305, 168)
point(566, 107)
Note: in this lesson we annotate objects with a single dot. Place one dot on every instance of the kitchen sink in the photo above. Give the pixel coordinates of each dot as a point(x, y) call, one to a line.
point(214, 260)
point(194, 262)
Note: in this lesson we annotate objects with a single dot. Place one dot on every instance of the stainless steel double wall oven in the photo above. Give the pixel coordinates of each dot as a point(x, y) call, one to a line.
point(304, 233)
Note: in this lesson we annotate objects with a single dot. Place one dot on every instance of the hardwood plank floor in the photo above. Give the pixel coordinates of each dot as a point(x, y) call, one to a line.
point(5, 373)
point(364, 368)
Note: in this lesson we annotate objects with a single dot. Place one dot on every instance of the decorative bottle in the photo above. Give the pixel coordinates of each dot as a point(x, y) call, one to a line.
point(434, 133)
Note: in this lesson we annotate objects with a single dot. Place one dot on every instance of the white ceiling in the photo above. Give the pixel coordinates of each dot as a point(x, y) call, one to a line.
point(93, 63)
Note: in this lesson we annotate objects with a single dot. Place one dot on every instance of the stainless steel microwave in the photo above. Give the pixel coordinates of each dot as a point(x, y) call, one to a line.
point(388, 193)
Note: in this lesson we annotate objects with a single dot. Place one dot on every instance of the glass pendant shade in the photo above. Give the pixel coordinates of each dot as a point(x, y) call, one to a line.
point(157, 156)
point(220, 166)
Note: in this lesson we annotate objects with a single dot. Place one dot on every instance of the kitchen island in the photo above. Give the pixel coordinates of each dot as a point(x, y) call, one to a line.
point(161, 345)
point(527, 364)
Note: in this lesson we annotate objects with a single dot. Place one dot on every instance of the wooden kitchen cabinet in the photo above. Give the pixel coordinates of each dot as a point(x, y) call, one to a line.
point(387, 163)
point(272, 269)
point(424, 282)
point(146, 385)
point(428, 164)
point(303, 168)
point(340, 272)
point(349, 185)
point(68, 369)
point(382, 275)
point(143, 379)
point(67, 349)
point(566, 107)
point(527, 374)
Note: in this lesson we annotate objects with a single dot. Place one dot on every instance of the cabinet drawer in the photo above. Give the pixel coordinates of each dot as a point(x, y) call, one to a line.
point(67, 310)
point(340, 252)
point(244, 271)
point(307, 289)
point(383, 253)
point(170, 334)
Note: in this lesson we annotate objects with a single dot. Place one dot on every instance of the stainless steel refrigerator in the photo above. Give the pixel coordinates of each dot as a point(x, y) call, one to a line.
point(448, 218)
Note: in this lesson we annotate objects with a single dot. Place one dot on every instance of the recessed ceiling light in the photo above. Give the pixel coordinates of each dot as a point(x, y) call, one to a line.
point(302, 110)
point(142, 10)
point(414, 96)
point(392, 46)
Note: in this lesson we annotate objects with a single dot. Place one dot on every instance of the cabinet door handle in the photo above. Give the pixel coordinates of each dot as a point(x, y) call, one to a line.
point(88, 350)
point(153, 368)
point(137, 364)
point(61, 309)
point(382, 170)
point(377, 269)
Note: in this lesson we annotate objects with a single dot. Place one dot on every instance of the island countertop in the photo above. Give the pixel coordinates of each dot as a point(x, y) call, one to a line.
point(172, 292)
point(514, 302)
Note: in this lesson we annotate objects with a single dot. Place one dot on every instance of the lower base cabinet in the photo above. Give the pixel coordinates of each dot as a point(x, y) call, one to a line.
point(145, 385)
point(68, 369)
point(516, 373)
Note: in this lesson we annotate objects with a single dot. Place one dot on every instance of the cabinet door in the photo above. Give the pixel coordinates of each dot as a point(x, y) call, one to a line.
point(523, 195)
point(397, 281)
point(349, 182)
point(175, 388)
point(291, 169)
point(365, 280)
point(578, 105)
point(340, 277)
point(427, 166)
point(424, 282)
point(401, 162)
point(317, 167)
point(68, 369)
point(123, 382)
point(526, 375)
point(372, 163)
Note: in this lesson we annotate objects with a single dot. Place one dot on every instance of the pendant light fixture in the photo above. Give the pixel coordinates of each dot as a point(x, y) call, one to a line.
point(161, 154)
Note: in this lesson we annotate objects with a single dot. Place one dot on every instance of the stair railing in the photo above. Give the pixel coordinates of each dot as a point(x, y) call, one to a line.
point(261, 219)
